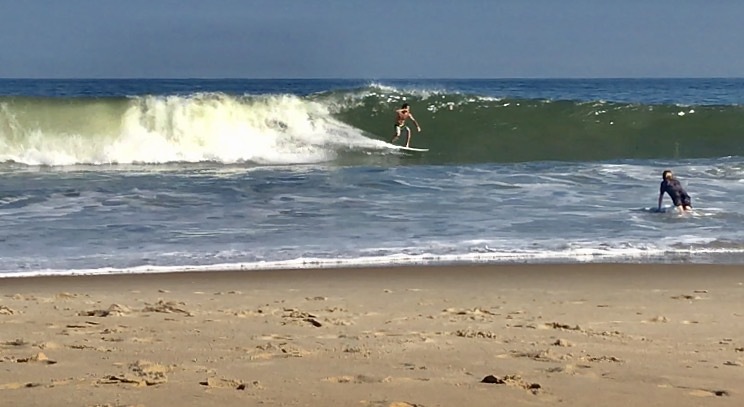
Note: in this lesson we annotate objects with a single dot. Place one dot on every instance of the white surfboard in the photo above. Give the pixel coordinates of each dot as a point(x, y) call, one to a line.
point(420, 150)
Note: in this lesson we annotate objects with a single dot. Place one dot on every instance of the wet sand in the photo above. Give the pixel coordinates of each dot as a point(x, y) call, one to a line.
point(512, 335)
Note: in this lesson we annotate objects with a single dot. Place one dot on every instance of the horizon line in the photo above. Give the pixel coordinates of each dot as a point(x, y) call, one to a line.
point(368, 78)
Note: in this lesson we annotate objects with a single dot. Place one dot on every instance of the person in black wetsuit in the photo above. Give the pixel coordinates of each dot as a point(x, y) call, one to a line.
point(672, 186)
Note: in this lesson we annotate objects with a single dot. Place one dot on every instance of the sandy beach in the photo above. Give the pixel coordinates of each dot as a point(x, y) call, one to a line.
point(575, 335)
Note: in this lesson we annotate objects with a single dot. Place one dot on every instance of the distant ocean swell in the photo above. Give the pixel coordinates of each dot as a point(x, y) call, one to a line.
point(353, 127)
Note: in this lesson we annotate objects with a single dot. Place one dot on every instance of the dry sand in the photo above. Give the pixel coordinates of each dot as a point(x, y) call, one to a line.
point(574, 335)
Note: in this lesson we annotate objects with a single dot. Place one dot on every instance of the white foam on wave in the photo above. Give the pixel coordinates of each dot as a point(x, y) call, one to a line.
point(572, 255)
point(269, 129)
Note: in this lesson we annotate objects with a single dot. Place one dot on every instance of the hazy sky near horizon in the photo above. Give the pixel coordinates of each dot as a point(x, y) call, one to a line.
point(371, 39)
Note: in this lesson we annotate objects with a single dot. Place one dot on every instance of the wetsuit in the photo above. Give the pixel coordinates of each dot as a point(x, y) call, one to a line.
point(676, 192)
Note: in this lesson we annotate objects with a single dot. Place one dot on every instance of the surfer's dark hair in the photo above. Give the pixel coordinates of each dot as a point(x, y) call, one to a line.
point(405, 106)
point(665, 174)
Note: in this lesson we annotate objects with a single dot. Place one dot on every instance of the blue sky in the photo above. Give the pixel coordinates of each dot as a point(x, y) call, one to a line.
point(371, 39)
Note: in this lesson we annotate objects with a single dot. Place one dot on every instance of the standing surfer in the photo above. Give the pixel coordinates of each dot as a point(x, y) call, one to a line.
point(401, 115)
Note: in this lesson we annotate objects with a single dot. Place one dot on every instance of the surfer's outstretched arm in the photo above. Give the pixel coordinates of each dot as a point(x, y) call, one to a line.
point(418, 128)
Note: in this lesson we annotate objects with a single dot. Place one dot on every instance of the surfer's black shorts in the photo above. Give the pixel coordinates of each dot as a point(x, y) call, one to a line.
point(683, 200)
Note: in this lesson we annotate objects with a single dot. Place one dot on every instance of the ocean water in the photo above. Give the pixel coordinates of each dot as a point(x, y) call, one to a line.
point(125, 176)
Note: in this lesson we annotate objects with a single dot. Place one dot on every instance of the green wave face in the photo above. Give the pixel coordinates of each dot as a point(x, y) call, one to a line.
point(461, 128)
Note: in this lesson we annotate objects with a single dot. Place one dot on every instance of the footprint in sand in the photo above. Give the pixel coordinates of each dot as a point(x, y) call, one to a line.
point(540, 355)
point(686, 297)
point(468, 311)
point(112, 310)
point(562, 343)
point(708, 393)
point(513, 380)
point(272, 351)
point(6, 310)
point(293, 315)
point(384, 403)
point(358, 379)
point(16, 342)
point(659, 318)
point(14, 386)
point(222, 383)
point(167, 307)
point(469, 333)
point(141, 373)
point(37, 358)
point(602, 358)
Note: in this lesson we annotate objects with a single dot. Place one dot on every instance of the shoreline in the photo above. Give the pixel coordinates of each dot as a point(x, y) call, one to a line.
point(502, 266)
point(538, 334)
